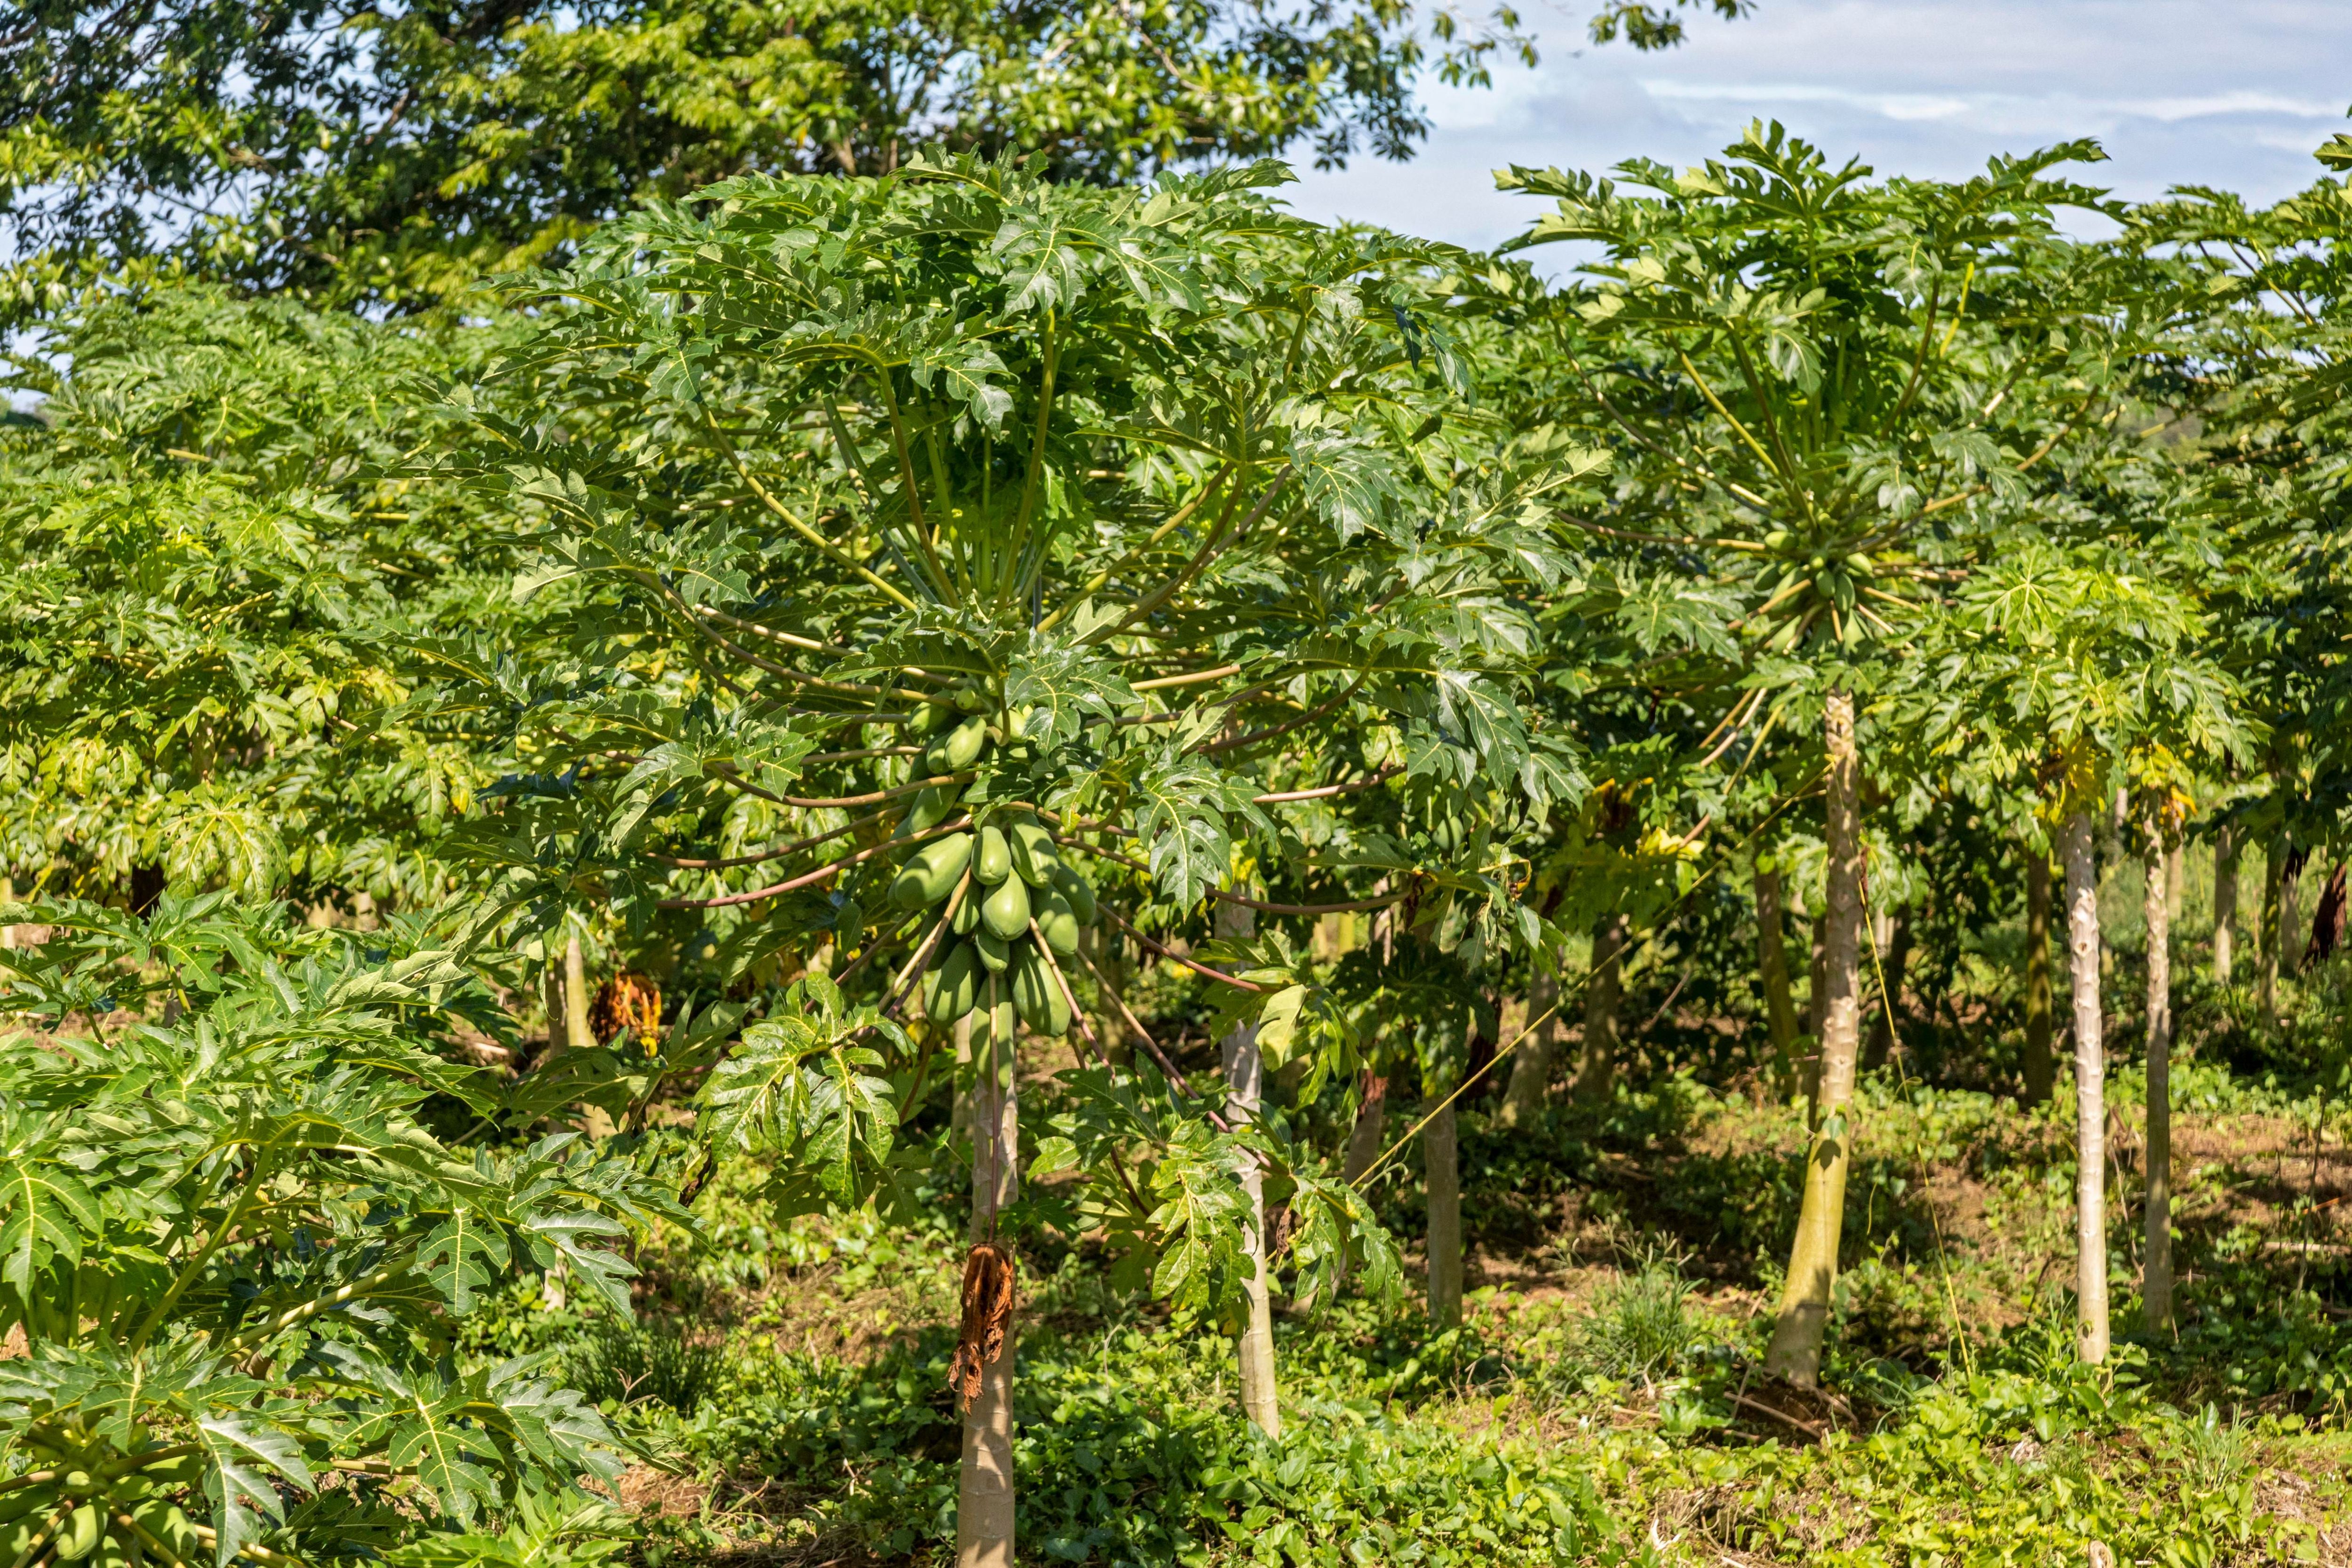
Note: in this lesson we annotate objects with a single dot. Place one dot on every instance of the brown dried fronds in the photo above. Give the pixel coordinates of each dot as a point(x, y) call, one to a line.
point(631, 1002)
point(988, 1291)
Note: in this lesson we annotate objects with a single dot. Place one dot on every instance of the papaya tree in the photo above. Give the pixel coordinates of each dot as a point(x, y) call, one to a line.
point(211, 566)
point(1811, 367)
point(2067, 669)
point(242, 1247)
point(963, 562)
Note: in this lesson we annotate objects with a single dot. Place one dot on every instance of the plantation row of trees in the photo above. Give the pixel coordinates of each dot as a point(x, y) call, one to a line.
point(1091, 690)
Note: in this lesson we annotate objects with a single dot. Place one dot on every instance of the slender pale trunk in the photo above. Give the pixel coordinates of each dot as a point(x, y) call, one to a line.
point(1596, 1071)
point(596, 1119)
point(2041, 1070)
point(984, 1479)
point(1815, 1001)
point(551, 989)
point(1897, 960)
point(2267, 970)
point(2290, 931)
point(1443, 1172)
point(1795, 1353)
point(1772, 964)
point(2155, 1287)
point(1244, 1101)
point(2090, 1092)
point(575, 996)
point(1364, 1144)
point(2225, 902)
point(1523, 1101)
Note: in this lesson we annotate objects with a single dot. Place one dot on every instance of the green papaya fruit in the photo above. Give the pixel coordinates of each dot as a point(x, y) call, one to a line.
point(953, 984)
point(16, 1504)
point(166, 1524)
point(179, 1470)
point(964, 742)
point(1033, 852)
point(1006, 910)
point(935, 758)
point(995, 862)
point(1072, 884)
point(967, 915)
point(114, 1548)
point(930, 809)
point(1057, 922)
point(993, 953)
point(16, 1535)
point(931, 717)
point(78, 1537)
point(958, 983)
point(1035, 995)
point(930, 874)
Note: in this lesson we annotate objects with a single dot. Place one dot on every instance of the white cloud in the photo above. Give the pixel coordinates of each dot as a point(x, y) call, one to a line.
point(2222, 92)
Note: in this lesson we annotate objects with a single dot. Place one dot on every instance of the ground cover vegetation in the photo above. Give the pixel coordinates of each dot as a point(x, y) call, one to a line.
point(939, 843)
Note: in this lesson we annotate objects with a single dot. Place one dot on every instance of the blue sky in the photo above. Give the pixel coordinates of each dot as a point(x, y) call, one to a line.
point(2234, 93)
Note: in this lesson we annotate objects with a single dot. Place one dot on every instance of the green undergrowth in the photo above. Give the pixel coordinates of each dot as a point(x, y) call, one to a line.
point(788, 1382)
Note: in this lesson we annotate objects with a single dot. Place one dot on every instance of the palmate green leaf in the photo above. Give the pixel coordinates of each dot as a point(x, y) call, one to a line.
point(567, 1235)
point(46, 1208)
point(1182, 806)
point(797, 1086)
point(248, 1462)
point(1063, 685)
point(463, 1256)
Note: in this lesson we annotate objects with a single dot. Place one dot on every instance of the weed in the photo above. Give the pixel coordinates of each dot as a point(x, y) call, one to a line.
point(619, 1364)
point(1643, 1328)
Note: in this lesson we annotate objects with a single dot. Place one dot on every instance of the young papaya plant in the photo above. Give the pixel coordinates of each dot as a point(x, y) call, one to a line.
point(1809, 374)
point(972, 560)
point(235, 1249)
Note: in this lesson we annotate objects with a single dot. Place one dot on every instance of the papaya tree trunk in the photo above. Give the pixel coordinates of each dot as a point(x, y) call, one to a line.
point(1244, 1103)
point(552, 991)
point(2156, 1286)
point(2266, 974)
point(2041, 1070)
point(1372, 1118)
point(984, 1493)
point(1816, 997)
point(1795, 1353)
point(1897, 962)
point(2225, 902)
point(1523, 1101)
point(2090, 1092)
point(575, 997)
point(1772, 966)
point(1596, 1069)
point(1442, 1168)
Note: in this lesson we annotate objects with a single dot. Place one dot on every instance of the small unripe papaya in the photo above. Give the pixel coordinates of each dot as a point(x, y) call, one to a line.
point(933, 873)
point(995, 862)
point(1035, 995)
point(930, 809)
point(967, 915)
point(1005, 911)
point(1072, 884)
point(1033, 853)
point(964, 742)
point(952, 986)
point(79, 1536)
point(994, 955)
point(1057, 923)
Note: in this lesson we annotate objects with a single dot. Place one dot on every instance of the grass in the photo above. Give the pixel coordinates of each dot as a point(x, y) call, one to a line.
point(1602, 1402)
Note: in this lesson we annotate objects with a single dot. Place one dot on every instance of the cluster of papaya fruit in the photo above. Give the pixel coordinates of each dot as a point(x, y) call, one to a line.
point(1015, 885)
point(114, 1514)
